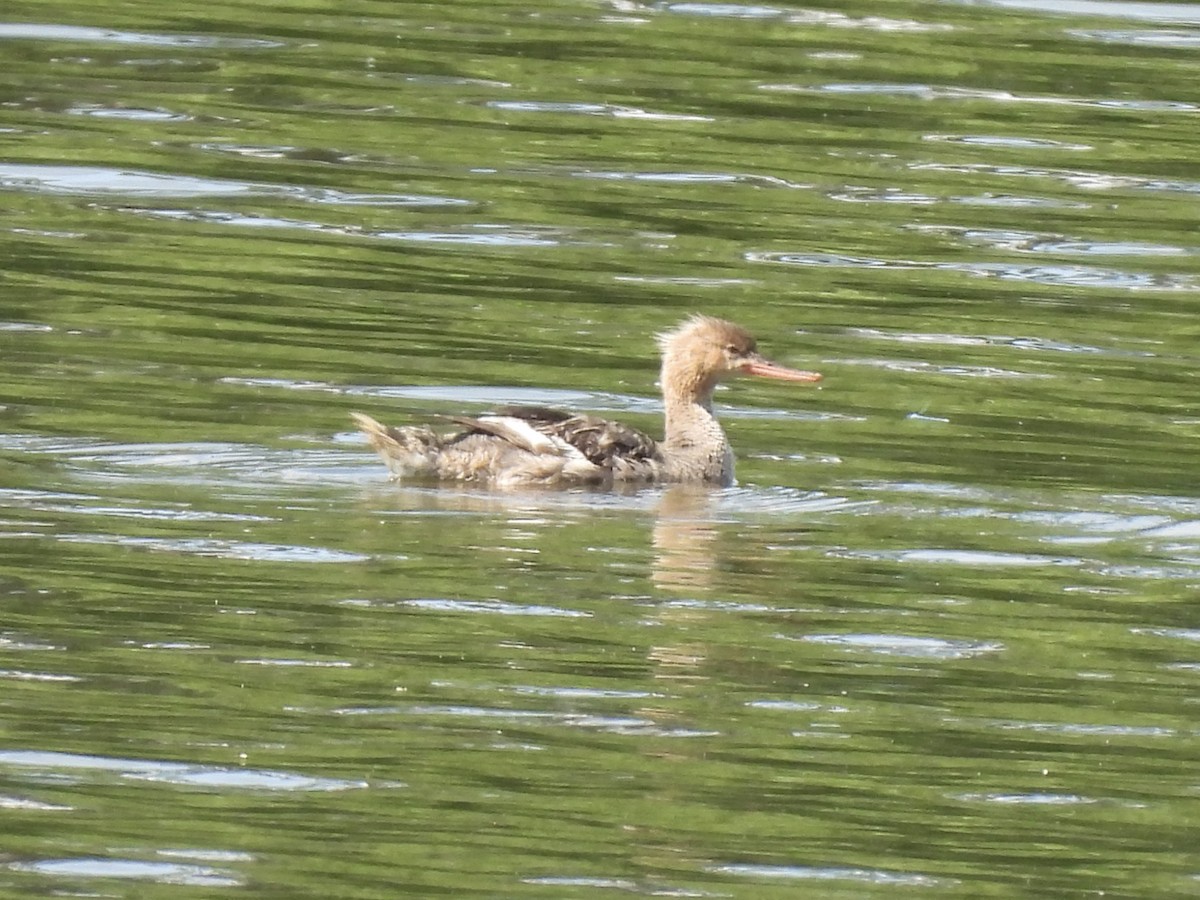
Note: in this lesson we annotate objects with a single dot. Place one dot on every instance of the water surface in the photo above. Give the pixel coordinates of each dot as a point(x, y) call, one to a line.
point(941, 640)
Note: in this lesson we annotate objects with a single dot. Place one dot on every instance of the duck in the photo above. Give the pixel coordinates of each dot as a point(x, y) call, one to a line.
point(519, 446)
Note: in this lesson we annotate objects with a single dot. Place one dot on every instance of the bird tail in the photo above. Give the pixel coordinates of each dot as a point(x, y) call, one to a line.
point(408, 452)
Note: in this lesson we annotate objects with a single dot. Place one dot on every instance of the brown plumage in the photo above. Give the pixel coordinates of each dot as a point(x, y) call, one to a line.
point(520, 445)
point(602, 441)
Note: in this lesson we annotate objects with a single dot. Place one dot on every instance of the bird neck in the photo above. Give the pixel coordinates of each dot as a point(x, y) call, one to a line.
point(687, 393)
point(694, 442)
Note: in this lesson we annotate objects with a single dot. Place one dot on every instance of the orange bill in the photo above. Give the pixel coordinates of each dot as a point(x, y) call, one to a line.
point(768, 369)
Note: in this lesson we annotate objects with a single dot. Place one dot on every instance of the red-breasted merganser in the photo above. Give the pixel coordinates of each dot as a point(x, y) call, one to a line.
point(532, 445)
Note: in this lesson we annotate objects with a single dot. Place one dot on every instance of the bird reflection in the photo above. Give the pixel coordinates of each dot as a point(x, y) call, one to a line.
point(523, 529)
point(683, 536)
point(684, 539)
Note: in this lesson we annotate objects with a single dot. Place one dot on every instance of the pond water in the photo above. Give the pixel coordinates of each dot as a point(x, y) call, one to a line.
point(942, 639)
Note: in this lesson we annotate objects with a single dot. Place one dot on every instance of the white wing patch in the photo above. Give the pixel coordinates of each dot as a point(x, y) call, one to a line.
point(521, 434)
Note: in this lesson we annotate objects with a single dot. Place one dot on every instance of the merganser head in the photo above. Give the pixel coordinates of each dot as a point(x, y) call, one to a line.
point(703, 350)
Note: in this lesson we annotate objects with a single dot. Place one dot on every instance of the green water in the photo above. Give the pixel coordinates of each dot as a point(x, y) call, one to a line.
point(942, 639)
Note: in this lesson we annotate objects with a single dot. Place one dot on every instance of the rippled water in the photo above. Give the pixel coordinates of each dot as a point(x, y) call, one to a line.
point(941, 639)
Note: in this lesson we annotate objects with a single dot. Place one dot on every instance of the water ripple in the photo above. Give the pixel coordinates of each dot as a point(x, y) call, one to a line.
point(1092, 523)
point(805, 17)
point(222, 549)
point(1061, 275)
point(125, 112)
point(1039, 242)
point(785, 705)
point(1006, 142)
point(1012, 201)
point(1172, 40)
point(1077, 178)
point(1088, 730)
point(903, 645)
point(52, 32)
point(478, 234)
point(20, 675)
point(622, 725)
point(1146, 572)
point(445, 80)
point(297, 663)
point(855, 194)
point(99, 180)
point(679, 280)
point(197, 463)
point(1136, 10)
point(722, 10)
point(1035, 799)
point(465, 394)
point(24, 803)
point(829, 260)
point(485, 235)
point(689, 178)
point(491, 607)
point(47, 502)
point(969, 558)
point(592, 109)
point(828, 873)
point(1076, 276)
point(134, 869)
point(934, 92)
point(1035, 344)
point(591, 881)
point(955, 371)
point(583, 693)
point(185, 774)
point(1182, 634)
point(860, 194)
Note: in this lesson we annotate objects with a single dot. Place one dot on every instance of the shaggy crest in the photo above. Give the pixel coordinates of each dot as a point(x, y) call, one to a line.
point(709, 329)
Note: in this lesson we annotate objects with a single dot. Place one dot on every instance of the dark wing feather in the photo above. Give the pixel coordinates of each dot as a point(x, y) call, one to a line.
point(536, 416)
point(496, 427)
point(602, 441)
